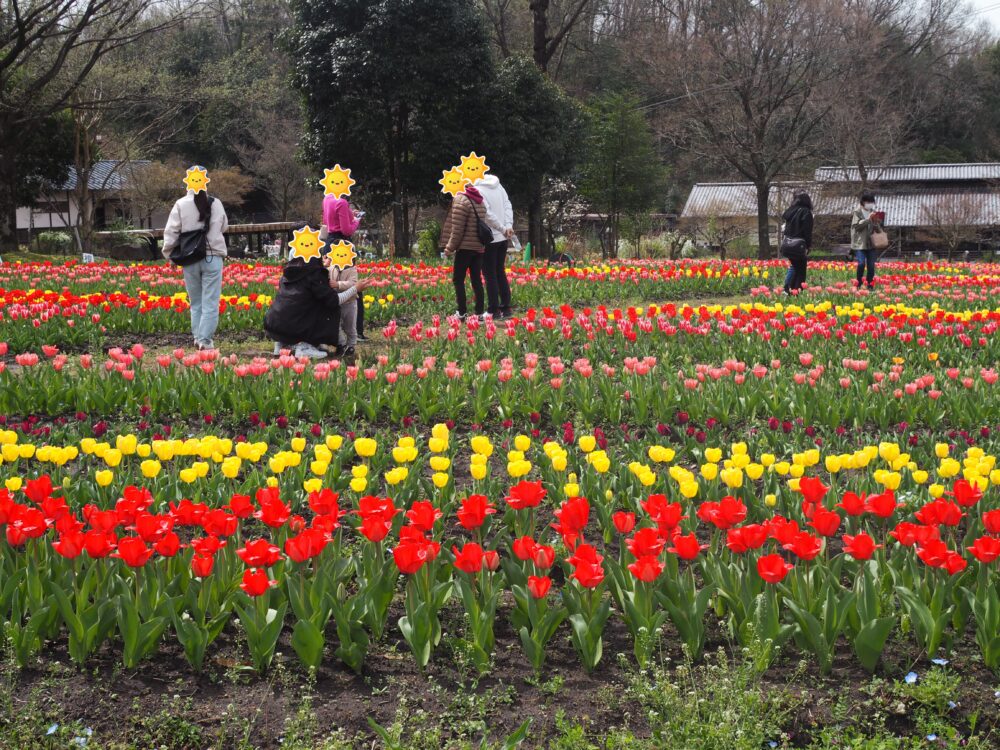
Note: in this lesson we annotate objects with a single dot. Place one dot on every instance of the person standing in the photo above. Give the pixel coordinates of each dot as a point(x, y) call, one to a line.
point(460, 239)
point(797, 240)
point(203, 278)
point(341, 222)
point(342, 280)
point(495, 256)
point(864, 221)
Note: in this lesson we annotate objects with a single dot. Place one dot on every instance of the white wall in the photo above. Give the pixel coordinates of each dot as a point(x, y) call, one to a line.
point(36, 219)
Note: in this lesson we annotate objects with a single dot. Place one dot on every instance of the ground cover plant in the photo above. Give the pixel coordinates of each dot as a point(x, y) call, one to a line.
point(660, 502)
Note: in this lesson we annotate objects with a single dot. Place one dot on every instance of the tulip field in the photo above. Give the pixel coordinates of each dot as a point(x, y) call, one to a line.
point(662, 489)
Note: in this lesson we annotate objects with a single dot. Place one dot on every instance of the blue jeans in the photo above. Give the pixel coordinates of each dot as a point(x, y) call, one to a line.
point(203, 281)
point(866, 258)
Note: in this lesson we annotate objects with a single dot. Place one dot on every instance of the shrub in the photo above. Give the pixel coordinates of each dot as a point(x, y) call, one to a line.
point(428, 238)
point(54, 242)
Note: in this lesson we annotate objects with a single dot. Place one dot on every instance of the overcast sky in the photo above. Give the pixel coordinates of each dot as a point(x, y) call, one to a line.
point(990, 11)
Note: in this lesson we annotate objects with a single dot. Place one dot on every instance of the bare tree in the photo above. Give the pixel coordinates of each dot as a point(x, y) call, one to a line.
point(719, 231)
point(751, 80)
point(48, 48)
point(954, 219)
point(274, 163)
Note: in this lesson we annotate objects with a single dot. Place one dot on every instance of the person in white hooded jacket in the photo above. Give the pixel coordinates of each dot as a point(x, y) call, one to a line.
point(203, 280)
point(494, 264)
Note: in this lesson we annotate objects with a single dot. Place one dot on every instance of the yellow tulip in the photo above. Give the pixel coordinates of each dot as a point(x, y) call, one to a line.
point(995, 476)
point(189, 475)
point(797, 470)
point(571, 490)
point(322, 453)
point(713, 455)
point(437, 445)
point(440, 431)
point(689, 489)
point(794, 484)
point(271, 481)
point(888, 451)
point(732, 478)
point(319, 468)
point(738, 449)
point(587, 443)
point(406, 441)
point(440, 479)
point(941, 450)
point(767, 459)
point(833, 464)
point(440, 463)
point(333, 442)
point(150, 468)
point(87, 445)
point(740, 460)
point(481, 444)
point(559, 463)
point(754, 471)
point(231, 467)
point(782, 468)
point(949, 467)
point(313, 484)
point(27, 450)
point(358, 484)
point(365, 447)
point(709, 471)
point(104, 477)
point(936, 490)
point(647, 479)
point(892, 480)
point(126, 444)
point(919, 476)
point(770, 500)
point(522, 442)
point(276, 464)
point(14, 484)
point(477, 471)
point(113, 457)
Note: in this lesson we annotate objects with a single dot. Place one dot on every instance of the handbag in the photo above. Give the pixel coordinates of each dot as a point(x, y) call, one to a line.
point(483, 232)
point(880, 240)
point(792, 246)
point(192, 245)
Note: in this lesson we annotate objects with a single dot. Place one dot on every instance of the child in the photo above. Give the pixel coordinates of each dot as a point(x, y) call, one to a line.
point(341, 281)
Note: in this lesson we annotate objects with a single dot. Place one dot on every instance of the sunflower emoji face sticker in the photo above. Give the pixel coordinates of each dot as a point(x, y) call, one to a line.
point(473, 167)
point(337, 181)
point(306, 244)
point(341, 255)
point(197, 179)
point(453, 181)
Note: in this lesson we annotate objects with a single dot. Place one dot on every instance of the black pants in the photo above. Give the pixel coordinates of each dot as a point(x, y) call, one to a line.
point(468, 262)
point(796, 273)
point(495, 275)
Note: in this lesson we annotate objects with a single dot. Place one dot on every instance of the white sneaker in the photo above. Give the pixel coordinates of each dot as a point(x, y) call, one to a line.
point(310, 351)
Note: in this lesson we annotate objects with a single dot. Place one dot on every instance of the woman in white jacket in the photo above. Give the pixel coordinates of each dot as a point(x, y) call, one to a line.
point(494, 268)
point(203, 280)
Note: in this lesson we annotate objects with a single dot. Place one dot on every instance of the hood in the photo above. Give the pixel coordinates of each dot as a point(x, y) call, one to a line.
point(488, 181)
point(792, 211)
point(297, 271)
point(472, 194)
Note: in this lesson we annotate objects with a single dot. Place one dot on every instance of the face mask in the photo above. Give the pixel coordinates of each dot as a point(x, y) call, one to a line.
point(869, 206)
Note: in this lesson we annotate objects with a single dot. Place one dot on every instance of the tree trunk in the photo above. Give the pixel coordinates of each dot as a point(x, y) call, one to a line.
point(540, 29)
point(763, 221)
point(8, 225)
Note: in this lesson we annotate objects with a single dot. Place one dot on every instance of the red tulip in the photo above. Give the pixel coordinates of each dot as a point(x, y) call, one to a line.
point(852, 504)
point(169, 545)
point(860, 547)
point(772, 568)
point(965, 493)
point(804, 546)
point(151, 527)
point(587, 564)
point(813, 490)
point(206, 546)
point(410, 556)
point(272, 511)
point(991, 520)
point(423, 515)
point(218, 522)
point(524, 548)
point(38, 489)
point(241, 506)
point(473, 511)
point(538, 586)
point(939, 512)
point(256, 582)
point(825, 522)
point(986, 549)
point(686, 546)
point(526, 495)
point(573, 516)
point(469, 559)
point(667, 515)
point(491, 559)
point(624, 522)
point(306, 545)
point(646, 542)
point(375, 528)
point(882, 505)
point(259, 553)
point(646, 568)
point(325, 503)
point(99, 544)
point(69, 545)
point(741, 539)
point(201, 567)
point(724, 514)
point(133, 552)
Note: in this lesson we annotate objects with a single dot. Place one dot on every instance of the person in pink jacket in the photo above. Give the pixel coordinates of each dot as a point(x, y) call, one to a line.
point(341, 222)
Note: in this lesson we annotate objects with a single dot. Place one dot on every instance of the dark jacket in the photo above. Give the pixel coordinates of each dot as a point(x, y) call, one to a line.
point(305, 309)
point(799, 223)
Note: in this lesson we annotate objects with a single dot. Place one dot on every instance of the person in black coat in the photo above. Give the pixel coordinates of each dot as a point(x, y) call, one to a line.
point(797, 241)
point(305, 312)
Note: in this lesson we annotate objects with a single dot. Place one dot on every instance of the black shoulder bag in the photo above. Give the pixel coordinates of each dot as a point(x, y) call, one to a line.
point(192, 246)
point(483, 232)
